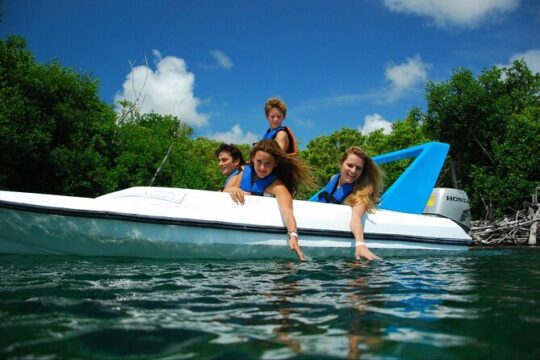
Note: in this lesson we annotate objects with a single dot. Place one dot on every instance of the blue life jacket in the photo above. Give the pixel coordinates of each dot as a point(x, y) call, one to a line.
point(329, 194)
point(235, 172)
point(271, 134)
point(255, 187)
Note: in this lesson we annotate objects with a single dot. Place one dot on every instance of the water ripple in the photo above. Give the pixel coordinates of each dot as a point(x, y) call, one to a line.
point(403, 307)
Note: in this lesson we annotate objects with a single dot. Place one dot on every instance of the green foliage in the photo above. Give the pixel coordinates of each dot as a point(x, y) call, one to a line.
point(148, 142)
point(55, 130)
point(140, 146)
point(490, 123)
point(515, 173)
point(196, 166)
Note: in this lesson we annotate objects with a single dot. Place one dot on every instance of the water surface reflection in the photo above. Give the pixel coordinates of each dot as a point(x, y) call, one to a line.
point(402, 307)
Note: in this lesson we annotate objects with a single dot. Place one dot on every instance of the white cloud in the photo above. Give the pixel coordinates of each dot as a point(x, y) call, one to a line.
point(307, 124)
point(167, 90)
point(222, 60)
point(375, 122)
point(403, 77)
point(461, 13)
point(401, 80)
point(531, 57)
point(235, 136)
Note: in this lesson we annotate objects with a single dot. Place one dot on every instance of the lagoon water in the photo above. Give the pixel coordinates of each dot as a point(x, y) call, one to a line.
point(480, 304)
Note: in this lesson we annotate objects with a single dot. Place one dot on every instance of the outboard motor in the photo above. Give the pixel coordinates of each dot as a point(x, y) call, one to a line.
point(452, 204)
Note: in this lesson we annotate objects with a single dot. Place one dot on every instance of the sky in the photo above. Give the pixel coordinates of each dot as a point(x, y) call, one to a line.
point(361, 64)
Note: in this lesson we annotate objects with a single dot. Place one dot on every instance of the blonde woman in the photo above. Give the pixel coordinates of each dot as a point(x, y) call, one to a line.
point(358, 185)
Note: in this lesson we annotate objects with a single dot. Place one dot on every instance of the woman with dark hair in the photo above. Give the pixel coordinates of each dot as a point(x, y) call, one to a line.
point(271, 172)
point(358, 184)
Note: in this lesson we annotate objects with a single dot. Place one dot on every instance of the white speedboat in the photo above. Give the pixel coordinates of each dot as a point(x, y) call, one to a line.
point(195, 224)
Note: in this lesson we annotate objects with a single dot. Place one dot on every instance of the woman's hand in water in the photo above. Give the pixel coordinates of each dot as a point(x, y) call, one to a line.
point(294, 246)
point(361, 251)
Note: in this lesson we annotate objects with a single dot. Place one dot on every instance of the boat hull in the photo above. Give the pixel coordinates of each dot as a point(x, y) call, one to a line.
point(191, 224)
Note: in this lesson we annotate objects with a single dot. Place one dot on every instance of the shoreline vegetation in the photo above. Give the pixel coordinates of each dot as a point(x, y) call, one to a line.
point(59, 137)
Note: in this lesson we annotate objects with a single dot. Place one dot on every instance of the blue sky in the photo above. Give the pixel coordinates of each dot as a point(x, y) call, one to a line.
point(213, 63)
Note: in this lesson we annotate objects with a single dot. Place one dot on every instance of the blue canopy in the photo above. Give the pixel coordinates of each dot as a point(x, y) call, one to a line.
point(411, 191)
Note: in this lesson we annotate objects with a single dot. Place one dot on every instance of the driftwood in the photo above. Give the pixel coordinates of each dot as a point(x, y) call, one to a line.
point(519, 229)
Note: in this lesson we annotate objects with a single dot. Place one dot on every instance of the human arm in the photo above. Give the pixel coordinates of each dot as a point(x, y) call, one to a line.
point(233, 188)
point(282, 138)
point(360, 248)
point(285, 202)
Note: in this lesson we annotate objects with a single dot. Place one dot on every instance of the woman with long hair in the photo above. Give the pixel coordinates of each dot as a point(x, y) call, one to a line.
point(358, 184)
point(272, 172)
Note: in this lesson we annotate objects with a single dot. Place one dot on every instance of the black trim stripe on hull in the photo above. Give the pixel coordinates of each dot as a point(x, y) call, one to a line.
point(107, 215)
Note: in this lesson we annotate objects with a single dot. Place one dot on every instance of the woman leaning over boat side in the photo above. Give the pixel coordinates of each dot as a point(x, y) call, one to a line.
point(358, 185)
point(272, 172)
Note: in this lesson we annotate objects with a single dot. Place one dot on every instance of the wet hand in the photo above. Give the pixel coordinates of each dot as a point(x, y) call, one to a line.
point(294, 246)
point(361, 251)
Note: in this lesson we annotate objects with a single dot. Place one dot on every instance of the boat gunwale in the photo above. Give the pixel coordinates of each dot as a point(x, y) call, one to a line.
point(163, 220)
